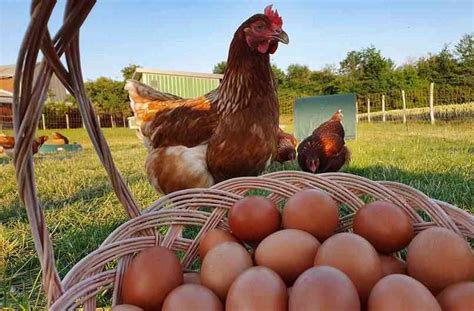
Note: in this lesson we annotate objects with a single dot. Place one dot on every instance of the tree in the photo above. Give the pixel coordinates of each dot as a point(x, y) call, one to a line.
point(440, 68)
point(219, 68)
point(464, 50)
point(367, 70)
point(127, 71)
point(279, 75)
point(351, 64)
point(300, 73)
point(107, 95)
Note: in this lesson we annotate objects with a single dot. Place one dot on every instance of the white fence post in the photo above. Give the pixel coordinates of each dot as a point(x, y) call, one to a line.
point(67, 121)
point(44, 121)
point(368, 109)
point(404, 107)
point(124, 124)
point(357, 111)
point(432, 117)
point(383, 107)
point(112, 121)
point(98, 120)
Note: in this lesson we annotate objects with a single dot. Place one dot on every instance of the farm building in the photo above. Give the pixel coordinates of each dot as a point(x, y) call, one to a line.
point(184, 84)
point(7, 73)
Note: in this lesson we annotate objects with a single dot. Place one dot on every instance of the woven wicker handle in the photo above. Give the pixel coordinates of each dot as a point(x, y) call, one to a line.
point(28, 101)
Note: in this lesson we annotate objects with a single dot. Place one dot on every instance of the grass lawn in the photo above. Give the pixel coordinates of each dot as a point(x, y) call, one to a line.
point(81, 209)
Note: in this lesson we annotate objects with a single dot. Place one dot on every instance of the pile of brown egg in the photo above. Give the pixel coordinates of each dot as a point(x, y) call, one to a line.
point(294, 260)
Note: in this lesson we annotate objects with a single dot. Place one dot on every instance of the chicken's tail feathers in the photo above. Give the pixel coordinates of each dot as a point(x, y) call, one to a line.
point(145, 101)
point(141, 93)
point(6, 141)
point(337, 115)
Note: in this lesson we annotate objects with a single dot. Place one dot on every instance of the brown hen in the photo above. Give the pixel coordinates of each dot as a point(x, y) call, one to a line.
point(229, 132)
point(7, 144)
point(324, 150)
point(58, 139)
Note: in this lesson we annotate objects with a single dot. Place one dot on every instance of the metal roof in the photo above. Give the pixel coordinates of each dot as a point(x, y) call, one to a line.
point(140, 71)
point(6, 97)
point(7, 71)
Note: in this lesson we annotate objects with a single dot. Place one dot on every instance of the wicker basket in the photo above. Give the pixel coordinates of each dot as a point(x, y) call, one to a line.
point(203, 208)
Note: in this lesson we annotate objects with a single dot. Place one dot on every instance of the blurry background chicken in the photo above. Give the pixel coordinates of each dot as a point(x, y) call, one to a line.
point(325, 150)
point(229, 132)
point(7, 143)
point(286, 147)
point(58, 139)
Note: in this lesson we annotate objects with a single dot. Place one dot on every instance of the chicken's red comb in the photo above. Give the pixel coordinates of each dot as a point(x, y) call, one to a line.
point(273, 16)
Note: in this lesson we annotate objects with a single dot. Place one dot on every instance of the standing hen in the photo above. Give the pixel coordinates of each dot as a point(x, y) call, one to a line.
point(324, 150)
point(229, 132)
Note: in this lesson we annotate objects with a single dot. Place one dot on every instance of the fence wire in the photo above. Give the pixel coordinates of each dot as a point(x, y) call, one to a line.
point(450, 103)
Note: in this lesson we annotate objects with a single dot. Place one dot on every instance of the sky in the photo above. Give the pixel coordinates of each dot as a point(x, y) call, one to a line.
point(195, 35)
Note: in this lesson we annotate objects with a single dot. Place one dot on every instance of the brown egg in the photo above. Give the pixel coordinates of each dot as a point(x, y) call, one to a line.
point(398, 292)
point(324, 288)
point(392, 265)
point(213, 238)
point(126, 308)
point(438, 258)
point(457, 297)
point(257, 288)
point(222, 265)
point(354, 256)
point(192, 297)
point(386, 226)
point(191, 278)
point(288, 252)
point(253, 218)
point(151, 275)
point(313, 211)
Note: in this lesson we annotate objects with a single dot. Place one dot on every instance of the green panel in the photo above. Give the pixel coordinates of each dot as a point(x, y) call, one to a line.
point(310, 112)
point(187, 87)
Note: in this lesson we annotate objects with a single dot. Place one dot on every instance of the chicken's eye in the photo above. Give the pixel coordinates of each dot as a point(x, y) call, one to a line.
point(259, 27)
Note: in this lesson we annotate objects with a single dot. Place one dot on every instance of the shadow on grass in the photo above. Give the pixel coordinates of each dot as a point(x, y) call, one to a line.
point(20, 284)
point(17, 210)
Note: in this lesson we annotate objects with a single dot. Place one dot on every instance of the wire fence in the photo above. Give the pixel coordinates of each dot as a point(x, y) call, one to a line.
point(70, 120)
point(436, 102)
point(448, 103)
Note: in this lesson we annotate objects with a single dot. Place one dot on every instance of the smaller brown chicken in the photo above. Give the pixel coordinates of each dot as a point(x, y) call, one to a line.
point(286, 147)
point(58, 139)
point(324, 150)
point(7, 143)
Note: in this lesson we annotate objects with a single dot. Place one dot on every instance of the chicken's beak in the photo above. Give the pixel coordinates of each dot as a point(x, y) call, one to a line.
point(281, 36)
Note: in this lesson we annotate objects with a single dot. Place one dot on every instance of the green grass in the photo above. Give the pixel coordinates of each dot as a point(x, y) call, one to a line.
point(81, 209)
